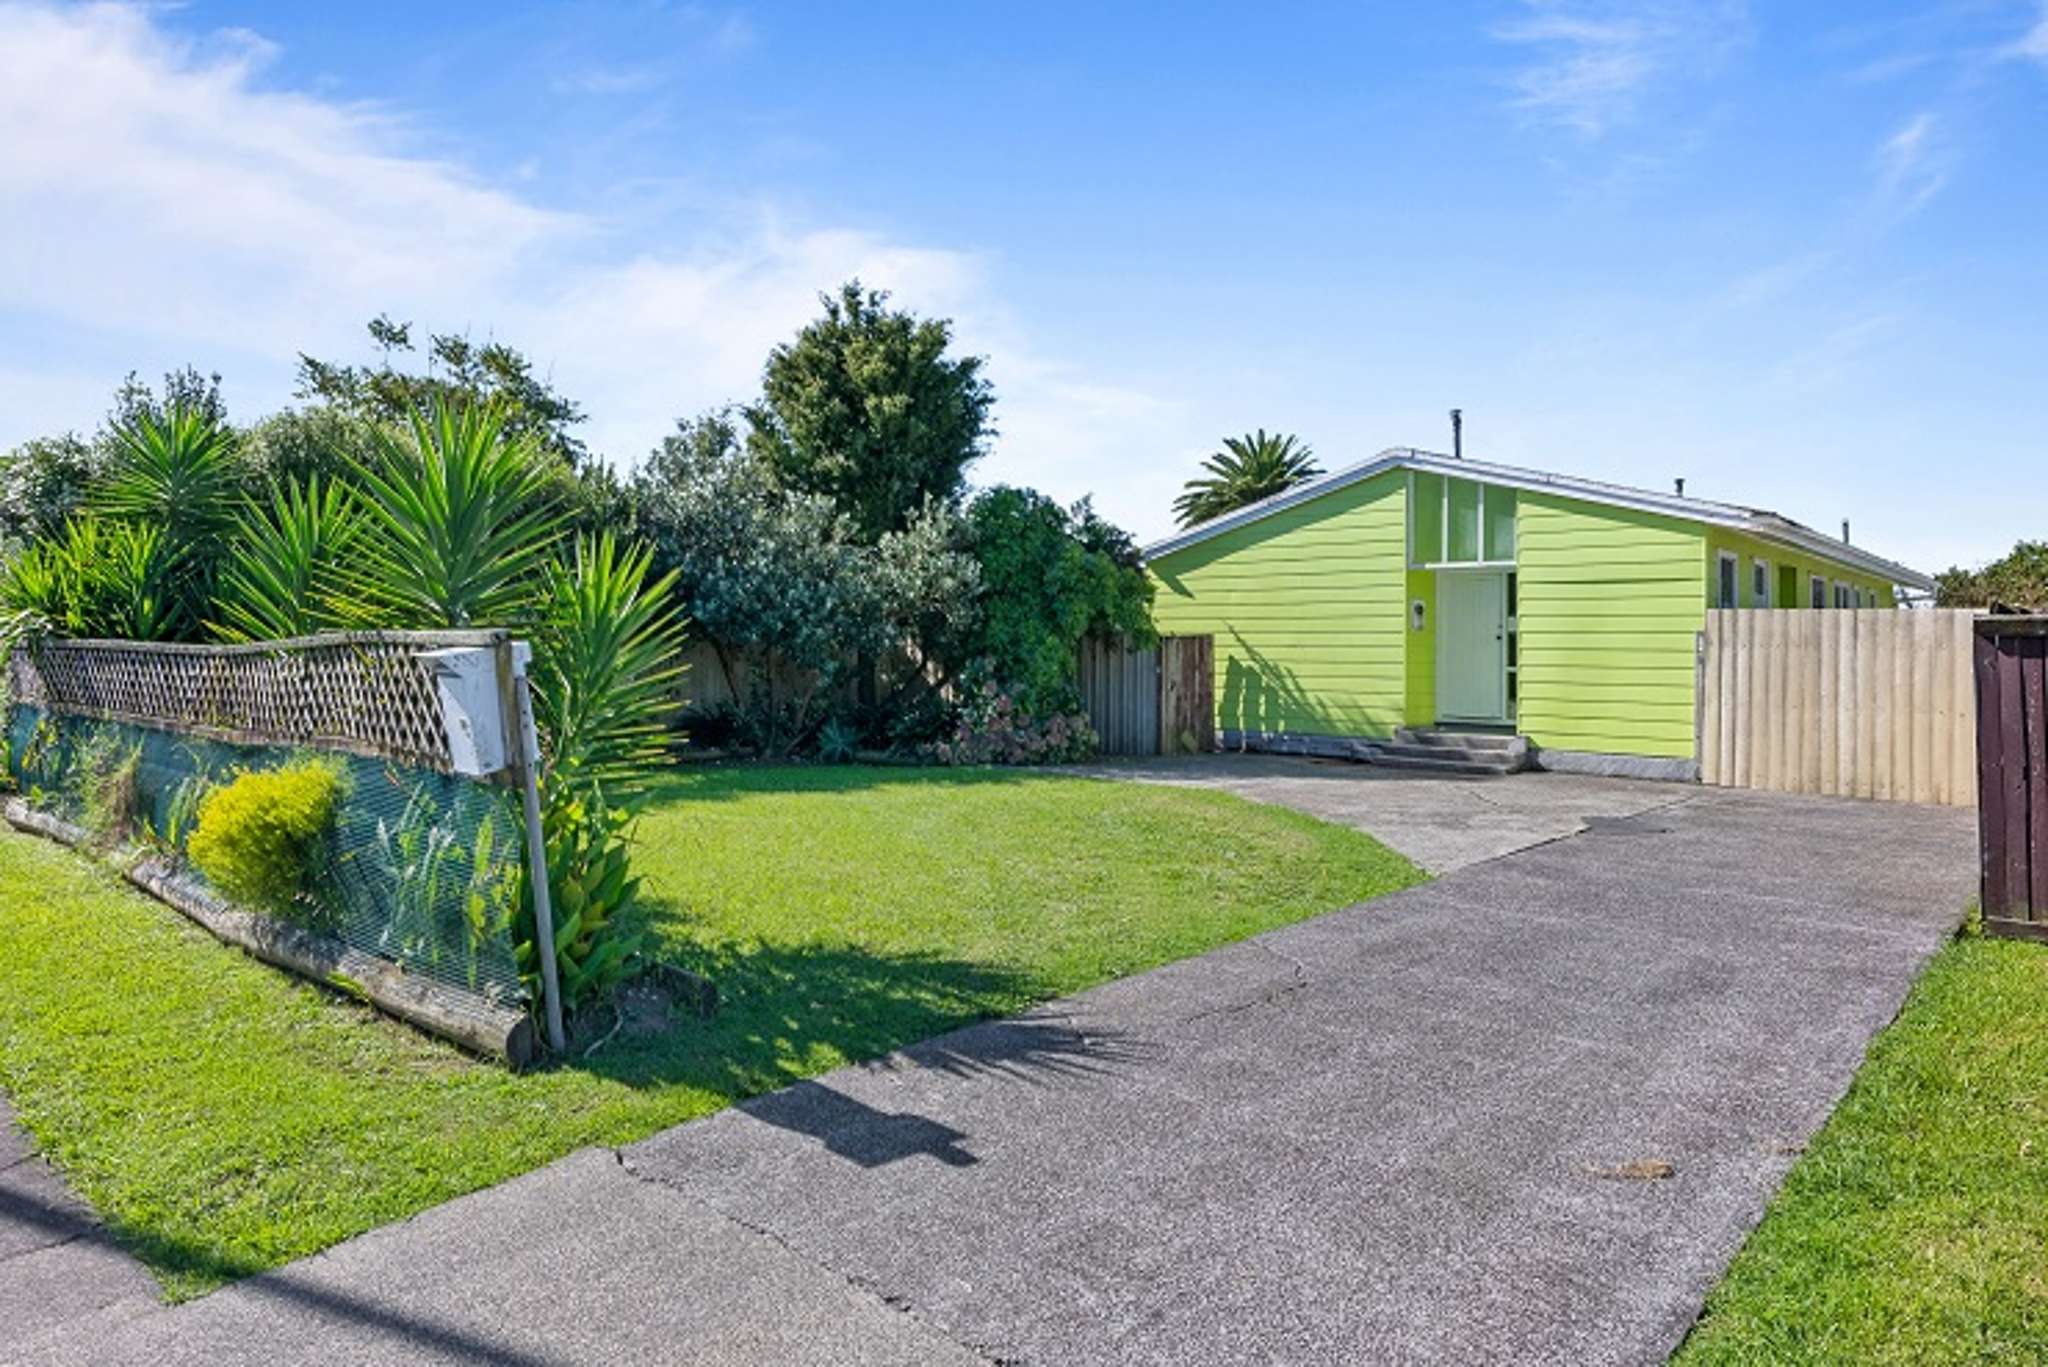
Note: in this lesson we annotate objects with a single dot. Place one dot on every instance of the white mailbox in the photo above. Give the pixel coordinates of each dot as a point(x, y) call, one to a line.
point(467, 679)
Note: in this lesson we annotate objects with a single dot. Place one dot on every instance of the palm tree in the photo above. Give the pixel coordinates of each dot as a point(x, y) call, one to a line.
point(1247, 469)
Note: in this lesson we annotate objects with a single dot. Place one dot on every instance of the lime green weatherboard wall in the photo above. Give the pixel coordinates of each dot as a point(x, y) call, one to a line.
point(1609, 602)
point(1308, 609)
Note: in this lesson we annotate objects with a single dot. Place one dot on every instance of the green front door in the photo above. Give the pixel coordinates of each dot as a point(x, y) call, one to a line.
point(1471, 645)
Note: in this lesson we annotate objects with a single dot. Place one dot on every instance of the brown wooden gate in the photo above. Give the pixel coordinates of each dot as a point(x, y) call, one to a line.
point(1151, 700)
point(2011, 665)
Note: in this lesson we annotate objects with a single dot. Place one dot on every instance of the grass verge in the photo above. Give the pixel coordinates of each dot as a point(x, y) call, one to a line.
point(1915, 1228)
point(225, 1118)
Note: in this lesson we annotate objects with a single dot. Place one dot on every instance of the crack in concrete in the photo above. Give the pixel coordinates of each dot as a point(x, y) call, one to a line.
point(889, 1300)
point(1270, 997)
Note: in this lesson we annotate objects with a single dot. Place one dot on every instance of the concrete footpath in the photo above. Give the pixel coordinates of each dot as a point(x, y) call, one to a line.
point(1526, 1112)
point(58, 1265)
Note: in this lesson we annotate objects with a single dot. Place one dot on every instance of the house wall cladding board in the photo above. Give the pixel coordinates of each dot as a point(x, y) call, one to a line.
point(1420, 708)
point(1308, 608)
point(1805, 564)
point(1609, 604)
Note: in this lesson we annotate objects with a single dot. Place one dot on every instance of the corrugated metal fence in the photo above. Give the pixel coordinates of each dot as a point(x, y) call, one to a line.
point(1150, 700)
point(2011, 663)
point(1870, 703)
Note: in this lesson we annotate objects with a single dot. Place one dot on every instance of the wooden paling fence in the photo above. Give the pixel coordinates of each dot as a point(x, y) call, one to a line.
point(1872, 703)
point(1154, 700)
point(2011, 664)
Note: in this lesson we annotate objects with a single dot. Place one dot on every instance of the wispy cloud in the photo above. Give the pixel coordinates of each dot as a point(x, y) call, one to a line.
point(2033, 44)
point(1912, 165)
point(606, 80)
point(1837, 354)
point(167, 206)
point(1597, 60)
point(1777, 281)
point(734, 33)
point(1883, 69)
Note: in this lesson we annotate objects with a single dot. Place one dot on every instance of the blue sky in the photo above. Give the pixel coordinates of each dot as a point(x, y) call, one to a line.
point(1793, 253)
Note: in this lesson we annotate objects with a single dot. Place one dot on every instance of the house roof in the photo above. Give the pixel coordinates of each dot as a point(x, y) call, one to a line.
point(1758, 522)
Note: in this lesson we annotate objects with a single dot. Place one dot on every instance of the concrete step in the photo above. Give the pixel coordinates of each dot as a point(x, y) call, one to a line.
point(1435, 761)
point(1476, 742)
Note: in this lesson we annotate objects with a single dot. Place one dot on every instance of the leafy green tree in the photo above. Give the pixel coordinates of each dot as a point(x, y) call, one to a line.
point(775, 580)
point(606, 663)
point(928, 589)
point(43, 482)
point(866, 408)
point(1043, 588)
point(175, 472)
point(184, 390)
point(459, 521)
point(286, 563)
point(321, 442)
point(2018, 580)
point(1249, 468)
point(457, 371)
point(97, 578)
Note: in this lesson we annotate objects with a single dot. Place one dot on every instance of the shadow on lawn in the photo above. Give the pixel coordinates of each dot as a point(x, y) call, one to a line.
point(789, 1012)
point(726, 780)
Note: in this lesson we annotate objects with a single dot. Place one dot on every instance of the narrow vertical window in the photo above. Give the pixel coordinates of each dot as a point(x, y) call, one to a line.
point(1817, 591)
point(1759, 583)
point(1727, 583)
point(1428, 519)
point(1500, 524)
point(1462, 535)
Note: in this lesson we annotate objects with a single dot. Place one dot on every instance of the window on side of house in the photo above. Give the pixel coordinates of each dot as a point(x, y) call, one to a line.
point(1841, 595)
point(1454, 521)
point(1759, 583)
point(1816, 591)
point(1426, 519)
point(1499, 518)
point(1461, 530)
point(1727, 581)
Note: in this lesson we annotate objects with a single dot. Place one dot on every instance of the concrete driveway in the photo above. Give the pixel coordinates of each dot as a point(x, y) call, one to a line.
point(1422, 1129)
point(1441, 821)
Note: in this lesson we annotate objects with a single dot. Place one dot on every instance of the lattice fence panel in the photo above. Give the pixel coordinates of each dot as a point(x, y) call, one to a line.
point(368, 693)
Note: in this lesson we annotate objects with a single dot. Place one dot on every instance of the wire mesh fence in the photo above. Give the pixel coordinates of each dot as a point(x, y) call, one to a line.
point(421, 868)
point(365, 692)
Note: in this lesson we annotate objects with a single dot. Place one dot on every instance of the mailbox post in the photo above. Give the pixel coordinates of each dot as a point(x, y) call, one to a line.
point(487, 707)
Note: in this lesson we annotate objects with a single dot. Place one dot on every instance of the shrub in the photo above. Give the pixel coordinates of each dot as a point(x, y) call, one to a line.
point(1049, 576)
point(993, 729)
point(838, 741)
point(591, 887)
point(259, 834)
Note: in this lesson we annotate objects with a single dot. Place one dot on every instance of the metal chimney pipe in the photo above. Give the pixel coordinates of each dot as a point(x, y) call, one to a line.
point(1678, 486)
point(1457, 434)
point(1845, 529)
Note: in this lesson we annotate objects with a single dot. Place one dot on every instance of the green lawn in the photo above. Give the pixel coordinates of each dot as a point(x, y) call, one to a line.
point(225, 1118)
point(1915, 1229)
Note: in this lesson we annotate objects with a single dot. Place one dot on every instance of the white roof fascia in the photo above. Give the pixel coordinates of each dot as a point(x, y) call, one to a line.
point(1762, 525)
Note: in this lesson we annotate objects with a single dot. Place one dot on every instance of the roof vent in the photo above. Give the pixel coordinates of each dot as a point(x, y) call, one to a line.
point(1845, 531)
point(1457, 434)
point(1678, 486)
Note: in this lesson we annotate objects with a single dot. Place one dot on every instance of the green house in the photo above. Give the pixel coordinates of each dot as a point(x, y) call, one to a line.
point(1415, 595)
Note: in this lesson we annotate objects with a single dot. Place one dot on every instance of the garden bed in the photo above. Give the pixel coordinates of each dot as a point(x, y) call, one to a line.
point(246, 1119)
